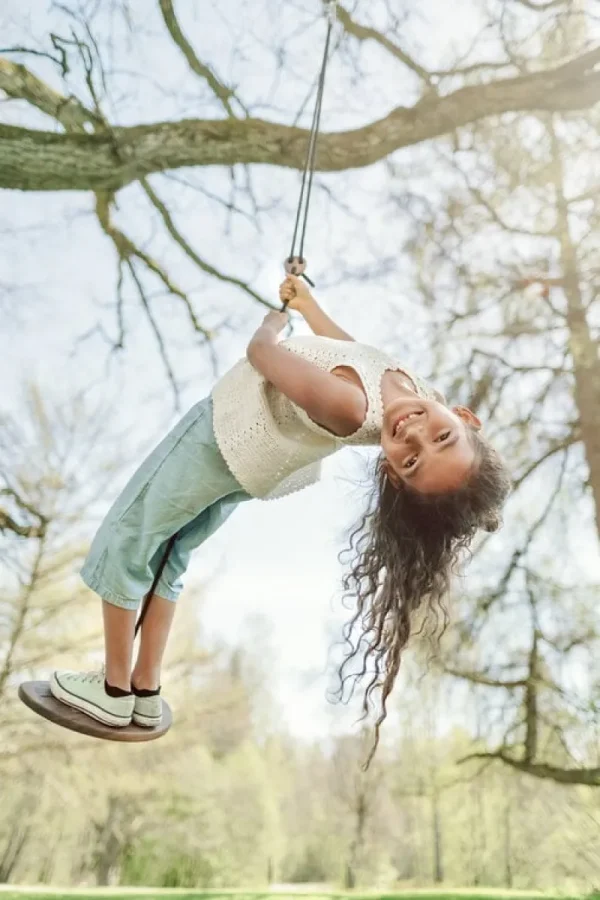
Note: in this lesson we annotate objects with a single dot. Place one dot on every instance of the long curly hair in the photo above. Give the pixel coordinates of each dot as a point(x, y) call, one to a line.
point(403, 553)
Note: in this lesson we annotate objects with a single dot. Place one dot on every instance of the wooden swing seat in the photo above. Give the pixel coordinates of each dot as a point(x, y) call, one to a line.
point(36, 695)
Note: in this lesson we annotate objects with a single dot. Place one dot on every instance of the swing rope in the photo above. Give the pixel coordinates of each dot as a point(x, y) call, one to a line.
point(154, 585)
point(296, 263)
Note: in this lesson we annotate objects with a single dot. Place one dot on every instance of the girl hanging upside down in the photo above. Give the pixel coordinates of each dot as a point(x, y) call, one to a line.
point(262, 433)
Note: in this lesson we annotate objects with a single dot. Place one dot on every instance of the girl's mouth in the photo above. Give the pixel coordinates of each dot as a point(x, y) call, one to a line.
point(403, 419)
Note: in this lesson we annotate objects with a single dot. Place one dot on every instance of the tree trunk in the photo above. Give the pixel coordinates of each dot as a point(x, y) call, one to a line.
point(584, 349)
point(508, 874)
point(438, 864)
point(358, 841)
point(109, 848)
point(478, 838)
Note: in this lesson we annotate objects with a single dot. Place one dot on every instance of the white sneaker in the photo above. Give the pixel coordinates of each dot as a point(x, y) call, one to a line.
point(85, 691)
point(147, 711)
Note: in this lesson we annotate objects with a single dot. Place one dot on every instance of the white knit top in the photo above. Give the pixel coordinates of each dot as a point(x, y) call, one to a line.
point(270, 444)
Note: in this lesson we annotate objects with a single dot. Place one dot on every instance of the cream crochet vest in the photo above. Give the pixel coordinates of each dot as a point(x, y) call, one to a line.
point(270, 445)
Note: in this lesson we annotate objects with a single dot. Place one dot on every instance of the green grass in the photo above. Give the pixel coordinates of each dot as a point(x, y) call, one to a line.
point(10, 892)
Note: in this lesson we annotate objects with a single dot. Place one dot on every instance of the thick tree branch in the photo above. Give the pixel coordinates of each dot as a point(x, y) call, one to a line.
point(34, 160)
point(18, 82)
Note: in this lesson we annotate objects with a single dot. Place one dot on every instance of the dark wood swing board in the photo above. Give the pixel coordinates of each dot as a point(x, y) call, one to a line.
point(36, 695)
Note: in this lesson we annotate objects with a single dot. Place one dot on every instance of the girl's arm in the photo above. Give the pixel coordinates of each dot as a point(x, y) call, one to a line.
point(296, 294)
point(332, 402)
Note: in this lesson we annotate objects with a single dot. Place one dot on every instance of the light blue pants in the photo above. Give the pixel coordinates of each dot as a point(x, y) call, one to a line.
point(183, 488)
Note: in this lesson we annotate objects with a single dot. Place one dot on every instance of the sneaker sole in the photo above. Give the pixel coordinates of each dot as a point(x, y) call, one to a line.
point(146, 721)
point(86, 706)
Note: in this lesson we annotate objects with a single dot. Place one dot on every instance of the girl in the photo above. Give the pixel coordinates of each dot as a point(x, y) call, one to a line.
point(262, 433)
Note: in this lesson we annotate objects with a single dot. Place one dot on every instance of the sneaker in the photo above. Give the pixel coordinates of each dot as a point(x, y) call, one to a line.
point(85, 691)
point(147, 711)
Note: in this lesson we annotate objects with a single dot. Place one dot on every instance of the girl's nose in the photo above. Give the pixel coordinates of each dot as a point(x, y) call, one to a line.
point(414, 433)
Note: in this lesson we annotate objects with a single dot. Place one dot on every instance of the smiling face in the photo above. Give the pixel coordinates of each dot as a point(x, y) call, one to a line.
point(427, 445)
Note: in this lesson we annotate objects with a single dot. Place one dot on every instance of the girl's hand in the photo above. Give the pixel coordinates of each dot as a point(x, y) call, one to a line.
point(265, 338)
point(295, 293)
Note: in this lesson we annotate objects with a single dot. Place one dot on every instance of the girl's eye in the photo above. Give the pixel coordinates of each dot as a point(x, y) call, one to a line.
point(443, 437)
point(410, 463)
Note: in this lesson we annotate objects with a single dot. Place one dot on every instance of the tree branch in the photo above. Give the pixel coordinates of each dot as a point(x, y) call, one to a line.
point(18, 82)
point(555, 447)
point(127, 251)
point(542, 6)
point(35, 160)
point(7, 523)
point(544, 771)
point(191, 253)
point(155, 329)
point(365, 33)
point(485, 679)
point(223, 93)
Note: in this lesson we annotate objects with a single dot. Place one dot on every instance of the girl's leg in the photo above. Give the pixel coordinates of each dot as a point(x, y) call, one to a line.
point(119, 626)
point(153, 641)
point(159, 618)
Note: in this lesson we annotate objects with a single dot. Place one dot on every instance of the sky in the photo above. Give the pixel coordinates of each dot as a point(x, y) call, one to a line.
point(274, 561)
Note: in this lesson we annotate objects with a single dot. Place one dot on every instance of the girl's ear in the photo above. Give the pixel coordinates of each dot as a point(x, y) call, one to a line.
point(391, 475)
point(468, 416)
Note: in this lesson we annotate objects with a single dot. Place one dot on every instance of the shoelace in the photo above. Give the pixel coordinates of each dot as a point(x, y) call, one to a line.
point(89, 677)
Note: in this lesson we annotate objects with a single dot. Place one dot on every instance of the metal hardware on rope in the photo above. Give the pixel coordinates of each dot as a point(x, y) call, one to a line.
point(295, 264)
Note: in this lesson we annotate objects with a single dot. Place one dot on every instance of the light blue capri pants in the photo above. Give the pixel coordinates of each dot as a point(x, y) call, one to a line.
point(183, 488)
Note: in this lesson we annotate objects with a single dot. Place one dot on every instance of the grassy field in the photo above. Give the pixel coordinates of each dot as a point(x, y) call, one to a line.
point(10, 892)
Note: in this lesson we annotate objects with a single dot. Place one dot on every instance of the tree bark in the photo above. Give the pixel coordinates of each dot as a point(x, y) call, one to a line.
point(361, 811)
point(508, 875)
point(111, 158)
point(438, 865)
point(583, 346)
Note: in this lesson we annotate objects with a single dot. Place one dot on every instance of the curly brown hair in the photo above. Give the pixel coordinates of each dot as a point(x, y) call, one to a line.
point(404, 551)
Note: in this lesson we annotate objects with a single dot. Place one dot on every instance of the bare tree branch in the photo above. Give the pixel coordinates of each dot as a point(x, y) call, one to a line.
point(543, 771)
point(127, 251)
point(484, 678)
point(223, 93)
point(364, 33)
point(543, 6)
point(191, 253)
point(8, 523)
point(156, 330)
